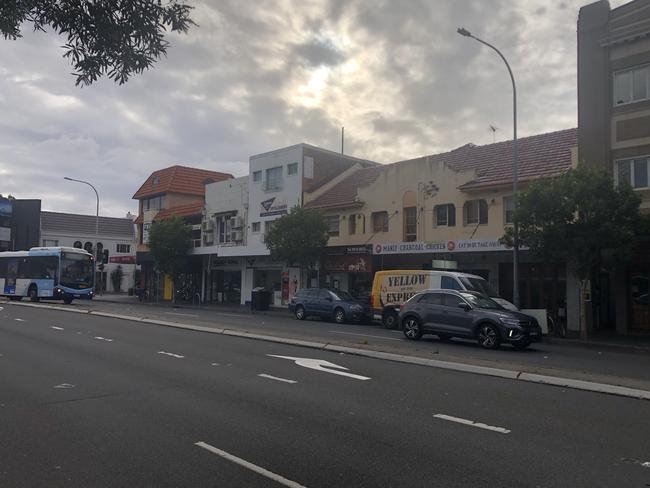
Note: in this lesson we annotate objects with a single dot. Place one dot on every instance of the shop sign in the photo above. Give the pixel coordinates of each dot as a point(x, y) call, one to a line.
point(273, 206)
point(145, 232)
point(461, 245)
point(349, 250)
point(349, 264)
point(122, 259)
point(225, 262)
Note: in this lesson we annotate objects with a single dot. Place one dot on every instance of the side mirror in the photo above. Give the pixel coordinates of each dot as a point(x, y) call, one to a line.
point(464, 306)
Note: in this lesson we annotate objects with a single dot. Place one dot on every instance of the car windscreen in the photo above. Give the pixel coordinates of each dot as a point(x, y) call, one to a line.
point(478, 301)
point(478, 284)
point(343, 295)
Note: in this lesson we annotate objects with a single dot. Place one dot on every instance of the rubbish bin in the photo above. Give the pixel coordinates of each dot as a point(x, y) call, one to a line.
point(259, 299)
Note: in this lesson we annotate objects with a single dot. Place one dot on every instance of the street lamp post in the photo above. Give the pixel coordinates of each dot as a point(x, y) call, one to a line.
point(515, 168)
point(96, 226)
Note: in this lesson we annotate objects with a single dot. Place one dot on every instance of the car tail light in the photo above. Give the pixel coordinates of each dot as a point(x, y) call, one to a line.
point(401, 306)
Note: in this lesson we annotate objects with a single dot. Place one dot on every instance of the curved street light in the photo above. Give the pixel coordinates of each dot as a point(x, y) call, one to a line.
point(515, 168)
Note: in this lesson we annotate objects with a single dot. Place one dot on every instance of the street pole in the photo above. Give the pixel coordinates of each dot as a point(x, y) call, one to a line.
point(96, 227)
point(515, 168)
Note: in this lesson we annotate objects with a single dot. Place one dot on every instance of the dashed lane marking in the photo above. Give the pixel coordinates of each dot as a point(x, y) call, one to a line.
point(268, 376)
point(56, 328)
point(99, 338)
point(177, 356)
point(471, 423)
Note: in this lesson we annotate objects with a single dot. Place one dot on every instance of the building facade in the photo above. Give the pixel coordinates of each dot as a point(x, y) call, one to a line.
point(614, 134)
point(115, 244)
point(19, 224)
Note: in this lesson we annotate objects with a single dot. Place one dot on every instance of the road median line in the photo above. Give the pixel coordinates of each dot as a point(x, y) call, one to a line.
point(432, 363)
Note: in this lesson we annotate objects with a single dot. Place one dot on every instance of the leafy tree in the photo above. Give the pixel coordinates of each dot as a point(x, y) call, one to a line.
point(579, 218)
point(169, 242)
point(117, 38)
point(298, 237)
point(116, 278)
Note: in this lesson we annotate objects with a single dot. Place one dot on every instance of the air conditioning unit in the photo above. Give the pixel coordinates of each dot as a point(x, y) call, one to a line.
point(208, 238)
point(236, 222)
point(237, 236)
point(207, 225)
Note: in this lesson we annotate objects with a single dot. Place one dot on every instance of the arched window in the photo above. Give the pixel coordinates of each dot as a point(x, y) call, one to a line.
point(77, 244)
point(410, 216)
point(88, 247)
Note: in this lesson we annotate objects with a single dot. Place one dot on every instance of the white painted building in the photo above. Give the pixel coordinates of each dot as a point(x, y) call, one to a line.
point(116, 237)
point(239, 212)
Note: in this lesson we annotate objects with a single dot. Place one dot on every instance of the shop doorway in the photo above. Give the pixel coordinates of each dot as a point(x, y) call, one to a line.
point(271, 280)
point(639, 299)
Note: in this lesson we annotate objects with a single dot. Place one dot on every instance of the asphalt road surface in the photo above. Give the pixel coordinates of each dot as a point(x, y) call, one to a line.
point(89, 401)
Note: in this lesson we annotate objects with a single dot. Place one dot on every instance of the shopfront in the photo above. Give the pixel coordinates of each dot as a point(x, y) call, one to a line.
point(350, 268)
point(224, 281)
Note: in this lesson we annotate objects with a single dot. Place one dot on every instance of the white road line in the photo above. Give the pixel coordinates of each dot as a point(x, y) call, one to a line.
point(253, 467)
point(276, 378)
point(19, 320)
point(178, 356)
point(182, 314)
point(471, 423)
point(365, 335)
point(56, 328)
point(103, 339)
point(64, 386)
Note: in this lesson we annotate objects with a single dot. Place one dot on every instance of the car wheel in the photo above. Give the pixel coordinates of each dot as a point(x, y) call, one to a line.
point(488, 336)
point(412, 328)
point(389, 320)
point(67, 300)
point(339, 316)
point(444, 337)
point(300, 313)
point(521, 345)
point(33, 293)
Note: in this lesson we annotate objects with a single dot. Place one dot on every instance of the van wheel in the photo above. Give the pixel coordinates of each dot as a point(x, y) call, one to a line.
point(33, 293)
point(339, 316)
point(389, 320)
point(412, 328)
point(488, 336)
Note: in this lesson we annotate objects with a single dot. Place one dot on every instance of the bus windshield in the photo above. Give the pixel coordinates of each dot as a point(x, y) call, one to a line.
point(76, 270)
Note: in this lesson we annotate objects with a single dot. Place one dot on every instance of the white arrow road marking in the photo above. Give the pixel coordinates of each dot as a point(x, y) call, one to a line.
point(99, 338)
point(253, 467)
point(64, 386)
point(56, 328)
point(471, 423)
point(177, 356)
point(276, 378)
point(321, 365)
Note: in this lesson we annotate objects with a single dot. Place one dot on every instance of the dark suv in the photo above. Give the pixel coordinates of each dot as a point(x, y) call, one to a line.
point(469, 315)
point(337, 305)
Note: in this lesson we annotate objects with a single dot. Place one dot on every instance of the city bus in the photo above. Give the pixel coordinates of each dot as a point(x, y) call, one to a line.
point(50, 273)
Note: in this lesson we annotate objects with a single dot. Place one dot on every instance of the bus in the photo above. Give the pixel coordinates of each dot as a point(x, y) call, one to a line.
point(50, 273)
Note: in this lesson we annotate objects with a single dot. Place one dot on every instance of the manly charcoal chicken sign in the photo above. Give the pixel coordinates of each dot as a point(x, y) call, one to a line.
point(273, 206)
point(461, 245)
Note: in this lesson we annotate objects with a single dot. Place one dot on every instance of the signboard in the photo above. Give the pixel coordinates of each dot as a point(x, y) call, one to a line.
point(461, 245)
point(5, 234)
point(349, 264)
point(273, 206)
point(145, 232)
point(122, 259)
point(349, 250)
point(5, 207)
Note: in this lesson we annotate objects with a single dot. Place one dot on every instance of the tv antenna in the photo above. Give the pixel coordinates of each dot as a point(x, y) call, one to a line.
point(494, 130)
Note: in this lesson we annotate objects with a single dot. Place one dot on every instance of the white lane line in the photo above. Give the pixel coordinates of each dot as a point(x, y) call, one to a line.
point(182, 314)
point(19, 320)
point(263, 375)
point(178, 356)
point(64, 386)
point(365, 335)
point(56, 328)
point(253, 467)
point(99, 338)
point(471, 423)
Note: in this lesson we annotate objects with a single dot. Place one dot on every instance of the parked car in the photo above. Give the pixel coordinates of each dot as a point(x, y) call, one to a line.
point(469, 315)
point(390, 289)
point(339, 306)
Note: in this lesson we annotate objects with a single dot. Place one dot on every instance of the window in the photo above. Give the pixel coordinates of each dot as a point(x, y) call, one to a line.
point(78, 244)
point(50, 243)
point(508, 210)
point(292, 169)
point(257, 176)
point(268, 225)
point(632, 85)
point(476, 212)
point(88, 247)
point(454, 301)
point(256, 227)
point(333, 225)
point(634, 172)
point(410, 224)
point(352, 224)
point(380, 222)
point(444, 215)
point(273, 179)
point(155, 180)
point(223, 228)
point(449, 283)
point(155, 203)
point(431, 299)
point(124, 248)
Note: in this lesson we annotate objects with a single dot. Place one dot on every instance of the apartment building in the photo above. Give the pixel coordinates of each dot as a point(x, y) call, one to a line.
point(448, 209)
point(614, 134)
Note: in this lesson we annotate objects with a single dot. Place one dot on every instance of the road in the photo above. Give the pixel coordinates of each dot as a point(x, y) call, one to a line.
point(91, 401)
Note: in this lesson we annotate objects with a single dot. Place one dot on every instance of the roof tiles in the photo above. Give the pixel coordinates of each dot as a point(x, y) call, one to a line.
point(179, 179)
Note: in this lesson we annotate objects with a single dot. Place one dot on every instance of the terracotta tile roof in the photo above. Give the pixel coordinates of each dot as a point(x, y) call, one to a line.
point(179, 179)
point(188, 210)
point(344, 193)
point(539, 156)
point(139, 220)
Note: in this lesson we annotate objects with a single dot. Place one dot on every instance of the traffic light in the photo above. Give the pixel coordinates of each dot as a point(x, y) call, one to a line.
point(105, 257)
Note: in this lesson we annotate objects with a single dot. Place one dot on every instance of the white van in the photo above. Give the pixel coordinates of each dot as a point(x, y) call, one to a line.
point(390, 289)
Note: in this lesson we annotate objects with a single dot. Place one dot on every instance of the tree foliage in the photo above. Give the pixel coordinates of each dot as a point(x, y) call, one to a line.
point(117, 38)
point(169, 242)
point(579, 218)
point(298, 237)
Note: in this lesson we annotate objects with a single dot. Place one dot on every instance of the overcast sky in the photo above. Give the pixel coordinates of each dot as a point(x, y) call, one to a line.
point(259, 75)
